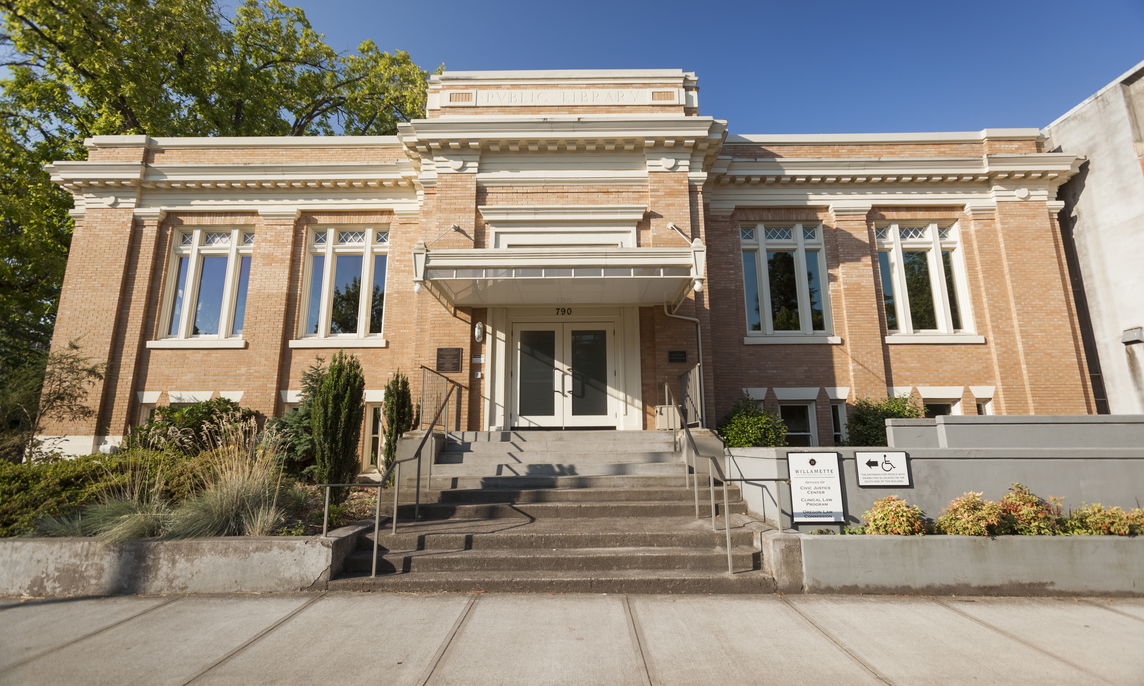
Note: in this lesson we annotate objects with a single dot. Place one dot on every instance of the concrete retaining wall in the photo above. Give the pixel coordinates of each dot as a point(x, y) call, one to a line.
point(1007, 565)
point(1035, 431)
point(61, 567)
point(1112, 476)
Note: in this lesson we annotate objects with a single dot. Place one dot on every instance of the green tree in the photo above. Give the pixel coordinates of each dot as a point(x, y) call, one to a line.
point(78, 68)
point(398, 412)
point(335, 419)
point(866, 420)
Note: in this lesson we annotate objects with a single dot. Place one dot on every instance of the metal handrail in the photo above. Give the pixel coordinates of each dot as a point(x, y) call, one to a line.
point(395, 470)
point(448, 380)
point(690, 450)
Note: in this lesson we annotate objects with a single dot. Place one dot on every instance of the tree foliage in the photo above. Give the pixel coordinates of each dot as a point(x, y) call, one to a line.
point(748, 425)
point(336, 415)
point(78, 68)
point(295, 427)
point(866, 421)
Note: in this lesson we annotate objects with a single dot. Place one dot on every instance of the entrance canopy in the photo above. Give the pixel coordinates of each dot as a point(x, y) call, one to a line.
point(560, 275)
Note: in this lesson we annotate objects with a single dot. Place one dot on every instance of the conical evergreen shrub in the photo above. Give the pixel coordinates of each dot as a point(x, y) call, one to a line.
point(336, 417)
point(399, 415)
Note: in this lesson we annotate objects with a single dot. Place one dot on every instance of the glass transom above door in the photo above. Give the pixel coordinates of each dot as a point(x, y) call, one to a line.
point(561, 375)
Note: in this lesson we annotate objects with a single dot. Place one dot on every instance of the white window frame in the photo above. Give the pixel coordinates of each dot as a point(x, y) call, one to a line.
point(376, 243)
point(889, 240)
point(799, 245)
point(236, 248)
point(811, 413)
point(370, 440)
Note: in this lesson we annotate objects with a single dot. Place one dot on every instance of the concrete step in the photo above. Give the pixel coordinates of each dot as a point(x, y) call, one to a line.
point(599, 559)
point(619, 581)
point(552, 534)
point(563, 510)
point(549, 469)
point(523, 438)
point(550, 456)
point(552, 495)
point(552, 482)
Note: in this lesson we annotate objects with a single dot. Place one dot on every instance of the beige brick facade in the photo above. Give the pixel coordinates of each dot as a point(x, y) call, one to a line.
point(435, 185)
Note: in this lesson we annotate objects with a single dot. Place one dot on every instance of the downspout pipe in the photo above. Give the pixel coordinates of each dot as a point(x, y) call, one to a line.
point(699, 343)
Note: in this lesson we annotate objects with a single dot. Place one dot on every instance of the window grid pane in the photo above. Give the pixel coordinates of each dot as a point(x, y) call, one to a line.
point(347, 294)
point(351, 238)
point(912, 232)
point(751, 291)
point(317, 272)
point(810, 234)
point(377, 298)
point(814, 285)
point(919, 289)
point(212, 278)
point(746, 234)
point(240, 296)
point(882, 233)
point(783, 290)
point(778, 234)
point(248, 238)
point(954, 308)
point(217, 238)
point(180, 289)
point(888, 291)
point(186, 239)
point(382, 237)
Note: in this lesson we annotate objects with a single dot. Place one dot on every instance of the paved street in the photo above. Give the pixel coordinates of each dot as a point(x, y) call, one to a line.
point(381, 638)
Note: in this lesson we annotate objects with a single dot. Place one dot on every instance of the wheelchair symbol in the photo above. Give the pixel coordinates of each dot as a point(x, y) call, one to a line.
point(887, 466)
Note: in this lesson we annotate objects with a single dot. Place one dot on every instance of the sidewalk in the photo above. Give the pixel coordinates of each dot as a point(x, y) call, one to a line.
point(383, 638)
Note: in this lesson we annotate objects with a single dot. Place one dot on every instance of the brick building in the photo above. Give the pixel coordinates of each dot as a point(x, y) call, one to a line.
point(569, 242)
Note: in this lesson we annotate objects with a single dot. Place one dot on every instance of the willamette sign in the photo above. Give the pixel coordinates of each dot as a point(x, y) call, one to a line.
point(882, 469)
point(815, 487)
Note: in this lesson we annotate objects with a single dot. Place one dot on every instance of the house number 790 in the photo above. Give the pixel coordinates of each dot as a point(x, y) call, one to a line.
point(563, 311)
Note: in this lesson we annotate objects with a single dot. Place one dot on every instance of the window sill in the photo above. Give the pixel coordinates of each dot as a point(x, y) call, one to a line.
point(792, 340)
point(197, 344)
point(925, 338)
point(339, 343)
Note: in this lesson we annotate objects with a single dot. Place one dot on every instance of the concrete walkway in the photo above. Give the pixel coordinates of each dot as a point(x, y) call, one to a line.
point(350, 638)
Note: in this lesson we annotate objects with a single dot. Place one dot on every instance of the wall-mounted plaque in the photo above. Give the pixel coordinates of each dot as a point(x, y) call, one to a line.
point(449, 359)
point(882, 469)
point(674, 356)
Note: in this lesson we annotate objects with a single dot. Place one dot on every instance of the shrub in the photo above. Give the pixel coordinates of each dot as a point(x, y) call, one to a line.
point(30, 492)
point(749, 426)
point(894, 516)
point(240, 486)
point(972, 515)
point(398, 410)
point(1027, 514)
point(1098, 520)
point(866, 420)
point(183, 430)
point(295, 428)
point(336, 419)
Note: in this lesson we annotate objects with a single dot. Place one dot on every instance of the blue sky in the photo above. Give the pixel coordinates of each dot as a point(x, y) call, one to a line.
point(788, 67)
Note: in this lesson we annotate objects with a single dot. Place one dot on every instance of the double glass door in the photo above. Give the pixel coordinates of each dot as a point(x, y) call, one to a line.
point(561, 373)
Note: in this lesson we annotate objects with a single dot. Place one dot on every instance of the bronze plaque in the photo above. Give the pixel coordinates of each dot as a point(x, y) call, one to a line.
point(449, 359)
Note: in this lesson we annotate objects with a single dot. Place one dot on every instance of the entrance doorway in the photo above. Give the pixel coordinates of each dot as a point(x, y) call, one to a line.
point(561, 373)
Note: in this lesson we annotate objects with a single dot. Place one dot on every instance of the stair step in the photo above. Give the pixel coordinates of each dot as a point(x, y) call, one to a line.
point(553, 495)
point(553, 534)
point(559, 559)
point(619, 581)
point(555, 482)
point(548, 469)
point(655, 508)
point(570, 456)
point(610, 436)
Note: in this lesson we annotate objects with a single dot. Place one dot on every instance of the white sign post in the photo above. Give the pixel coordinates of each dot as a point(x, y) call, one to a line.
point(815, 487)
point(882, 469)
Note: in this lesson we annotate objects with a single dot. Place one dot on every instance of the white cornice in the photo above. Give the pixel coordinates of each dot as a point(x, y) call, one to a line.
point(206, 142)
point(560, 133)
point(882, 138)
point(266, 177)
point(562, 213)
point(561, 76)
point(1044, 168)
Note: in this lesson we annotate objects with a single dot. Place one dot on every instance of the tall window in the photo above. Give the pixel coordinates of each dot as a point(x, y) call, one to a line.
point(209, 275)
point(340, 261)
point(923, 279)
point(800, 423)
point(784, 279)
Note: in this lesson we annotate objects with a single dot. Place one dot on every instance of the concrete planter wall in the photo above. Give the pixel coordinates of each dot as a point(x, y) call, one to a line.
point(1006, 565)
point(60, 567)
